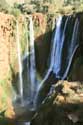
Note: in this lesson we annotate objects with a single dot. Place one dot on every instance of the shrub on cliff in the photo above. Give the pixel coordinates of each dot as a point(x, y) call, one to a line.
point(4, 6)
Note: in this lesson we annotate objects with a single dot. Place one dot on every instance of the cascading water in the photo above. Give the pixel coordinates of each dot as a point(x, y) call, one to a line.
point(74, 46)
point(63, 48)
point(32, 66)
point(19, 62)
point(62, 52)
point(31, 84)
point(25, 99)
point(58, 42)
point(56, 36)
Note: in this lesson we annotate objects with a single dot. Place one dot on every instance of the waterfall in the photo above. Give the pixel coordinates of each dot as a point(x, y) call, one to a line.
point(27, 88)
point(31, 84)
point(56, 37)
point(72, 45)
point(19, 62)
point(59, 46)
point(32, 68)
point(63, 49)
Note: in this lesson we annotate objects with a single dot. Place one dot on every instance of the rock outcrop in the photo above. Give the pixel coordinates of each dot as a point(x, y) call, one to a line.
point(62, 106)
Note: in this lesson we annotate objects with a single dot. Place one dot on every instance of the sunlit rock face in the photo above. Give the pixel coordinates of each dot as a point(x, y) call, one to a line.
point(7, 44)
point(7, 54)
point(63, 105)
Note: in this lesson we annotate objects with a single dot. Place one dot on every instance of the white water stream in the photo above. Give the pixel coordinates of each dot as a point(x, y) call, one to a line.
point(19, 62)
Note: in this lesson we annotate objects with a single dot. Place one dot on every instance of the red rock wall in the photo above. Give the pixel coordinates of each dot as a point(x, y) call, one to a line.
point(7, 44)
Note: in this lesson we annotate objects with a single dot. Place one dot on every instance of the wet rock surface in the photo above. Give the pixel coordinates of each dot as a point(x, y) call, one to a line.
point(62, 106)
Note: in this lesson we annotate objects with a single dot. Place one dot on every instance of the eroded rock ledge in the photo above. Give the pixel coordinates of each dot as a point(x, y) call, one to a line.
point(62, 106)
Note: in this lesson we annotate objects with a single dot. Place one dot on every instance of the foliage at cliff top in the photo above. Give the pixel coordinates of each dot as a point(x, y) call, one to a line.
point(48, 6)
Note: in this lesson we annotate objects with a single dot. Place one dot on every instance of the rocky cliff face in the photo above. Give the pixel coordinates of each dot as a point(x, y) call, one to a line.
point(7, 44)
point(7, 57)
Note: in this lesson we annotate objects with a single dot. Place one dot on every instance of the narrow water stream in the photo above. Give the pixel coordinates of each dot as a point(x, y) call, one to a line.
point(32, 64)
point(19, 62)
